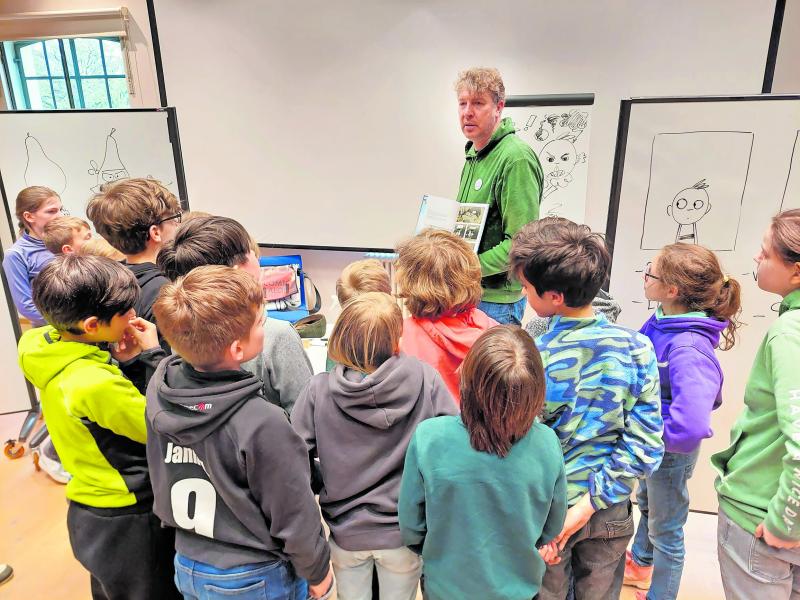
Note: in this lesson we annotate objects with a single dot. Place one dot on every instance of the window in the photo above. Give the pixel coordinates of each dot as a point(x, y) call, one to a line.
point(66, 73)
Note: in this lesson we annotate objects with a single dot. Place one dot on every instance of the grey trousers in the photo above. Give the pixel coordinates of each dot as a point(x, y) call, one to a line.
point(752, 569)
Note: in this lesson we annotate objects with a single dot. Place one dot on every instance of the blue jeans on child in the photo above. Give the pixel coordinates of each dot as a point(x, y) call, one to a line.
point(505, 313)
point(664, 504)
point(265, 581)
point(398, 569)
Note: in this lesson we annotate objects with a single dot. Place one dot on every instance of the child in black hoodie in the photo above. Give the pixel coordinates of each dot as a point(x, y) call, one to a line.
point(137, 217)
point(359, 419)
point(227, 469)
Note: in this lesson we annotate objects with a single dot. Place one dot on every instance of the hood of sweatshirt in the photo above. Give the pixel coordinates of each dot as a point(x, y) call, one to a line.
point(190, 405)
point(43, 355)
point(381, 398)
point(707, 327)
point(144, 272)
point(456, 334)
point(505, 128)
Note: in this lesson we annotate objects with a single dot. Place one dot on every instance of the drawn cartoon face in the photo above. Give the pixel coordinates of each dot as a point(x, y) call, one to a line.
point(114, 175)
point(558, 158)
point(689, 205)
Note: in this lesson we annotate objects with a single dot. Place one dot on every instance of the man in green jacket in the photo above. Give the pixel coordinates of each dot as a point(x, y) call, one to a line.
point(504, 172)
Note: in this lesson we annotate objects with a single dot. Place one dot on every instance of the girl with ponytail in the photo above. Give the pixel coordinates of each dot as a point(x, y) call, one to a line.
point(697, 312)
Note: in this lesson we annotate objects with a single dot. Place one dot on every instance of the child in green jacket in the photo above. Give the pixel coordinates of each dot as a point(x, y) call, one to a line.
point(759, 482)
point(95, 417)
point(482, 490)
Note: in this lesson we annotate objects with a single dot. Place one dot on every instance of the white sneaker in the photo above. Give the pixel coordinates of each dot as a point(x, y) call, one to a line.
point(50, 466)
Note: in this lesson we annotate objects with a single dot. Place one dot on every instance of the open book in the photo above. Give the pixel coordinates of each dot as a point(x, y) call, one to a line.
point(465, 220)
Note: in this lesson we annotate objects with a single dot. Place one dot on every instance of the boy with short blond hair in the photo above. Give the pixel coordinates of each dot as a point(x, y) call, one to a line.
point(95, 417)
point(362, 276)
point(228, 470)
point(602, 400)
point(64, 235)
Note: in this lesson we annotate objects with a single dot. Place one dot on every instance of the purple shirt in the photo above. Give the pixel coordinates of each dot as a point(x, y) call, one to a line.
point(691, 378)
point(22, 263)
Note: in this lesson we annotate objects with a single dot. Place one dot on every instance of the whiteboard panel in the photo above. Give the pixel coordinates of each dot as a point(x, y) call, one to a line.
point(742, 152)
point(322, 123)
point(74, 152)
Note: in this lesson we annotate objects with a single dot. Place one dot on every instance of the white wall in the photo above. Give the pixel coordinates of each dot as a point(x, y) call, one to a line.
point(787, 66)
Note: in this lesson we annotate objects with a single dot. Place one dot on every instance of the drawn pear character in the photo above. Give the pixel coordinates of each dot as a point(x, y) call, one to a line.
point(41, 169)
point(111, 169)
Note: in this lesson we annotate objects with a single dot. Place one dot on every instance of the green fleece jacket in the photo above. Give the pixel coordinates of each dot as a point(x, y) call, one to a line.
point(476, 518)
point(95, 417)
point(759, 474)
point(507, 176)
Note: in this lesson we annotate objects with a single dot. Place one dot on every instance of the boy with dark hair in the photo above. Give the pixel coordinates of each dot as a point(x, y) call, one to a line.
point(603, 401)
point(228, 469)
point(283, 364)
point(96, 421)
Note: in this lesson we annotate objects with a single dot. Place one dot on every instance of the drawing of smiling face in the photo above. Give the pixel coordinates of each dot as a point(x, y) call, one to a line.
point(689, 205)
point(558, 158)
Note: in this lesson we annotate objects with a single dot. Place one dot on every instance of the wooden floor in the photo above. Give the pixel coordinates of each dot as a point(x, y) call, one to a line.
point(33, 538)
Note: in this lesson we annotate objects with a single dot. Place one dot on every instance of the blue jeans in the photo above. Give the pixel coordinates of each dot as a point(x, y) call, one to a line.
point(505, 313)
point(664, 503)
point(265, 581)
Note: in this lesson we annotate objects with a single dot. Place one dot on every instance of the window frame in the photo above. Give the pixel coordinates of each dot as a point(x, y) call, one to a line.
point(69, 56)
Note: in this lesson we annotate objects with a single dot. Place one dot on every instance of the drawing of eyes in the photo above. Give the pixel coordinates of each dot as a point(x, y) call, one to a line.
point(551, 158)
point(681, 203)
point(565, 157)
point(698, 204)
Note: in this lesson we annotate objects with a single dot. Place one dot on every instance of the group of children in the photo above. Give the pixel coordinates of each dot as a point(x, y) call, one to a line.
point(442, 446)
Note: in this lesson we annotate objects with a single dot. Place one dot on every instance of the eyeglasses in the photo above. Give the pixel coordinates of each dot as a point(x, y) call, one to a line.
point(64, 212)
point(648, 274)
point(176, 216)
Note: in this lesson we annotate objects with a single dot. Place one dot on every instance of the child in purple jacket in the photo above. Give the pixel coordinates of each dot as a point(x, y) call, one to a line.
point(698, 305)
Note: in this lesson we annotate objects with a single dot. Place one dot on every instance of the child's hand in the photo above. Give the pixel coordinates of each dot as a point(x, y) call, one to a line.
point(322, 589)
point(577, 517)
point(774, 541)
point(549, 553)
point(144, 332)
point(126, 349)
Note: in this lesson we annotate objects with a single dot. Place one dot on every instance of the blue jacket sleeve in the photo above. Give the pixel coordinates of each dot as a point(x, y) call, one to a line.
point(17, 275)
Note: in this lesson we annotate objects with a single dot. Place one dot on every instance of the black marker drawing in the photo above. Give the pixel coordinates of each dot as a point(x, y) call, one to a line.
point(40, 169)
point(530, 122)
point(691, 172)
point(687, 208)
point(791, 192)
point(111, 169)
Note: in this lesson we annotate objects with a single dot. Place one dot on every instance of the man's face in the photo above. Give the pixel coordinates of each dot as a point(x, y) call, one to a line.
point(478, 116)
point(689, 206)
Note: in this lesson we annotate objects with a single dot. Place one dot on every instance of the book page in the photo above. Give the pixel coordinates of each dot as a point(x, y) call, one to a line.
point(470, 221)
point(437, 213)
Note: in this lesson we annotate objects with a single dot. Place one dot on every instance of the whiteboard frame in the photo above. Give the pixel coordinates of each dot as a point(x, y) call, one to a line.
point(174, 138)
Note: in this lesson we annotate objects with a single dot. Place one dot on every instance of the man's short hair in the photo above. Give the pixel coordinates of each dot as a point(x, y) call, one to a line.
point(362, 276)
point(72, 288)
point(60, 232)
point(367, 332)
point(482, 79)
point(203, 313)
point(437, 274)
point(556, 255)
point(204, 241)
point(124, 211)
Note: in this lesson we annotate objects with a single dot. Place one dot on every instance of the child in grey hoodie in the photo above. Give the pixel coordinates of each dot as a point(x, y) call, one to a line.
point(359, 420)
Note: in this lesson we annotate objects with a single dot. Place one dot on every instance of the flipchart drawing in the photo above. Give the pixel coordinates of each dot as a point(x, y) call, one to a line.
point(112, 168)
point(696, 186)
point(791, 191)
point(40, 169)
